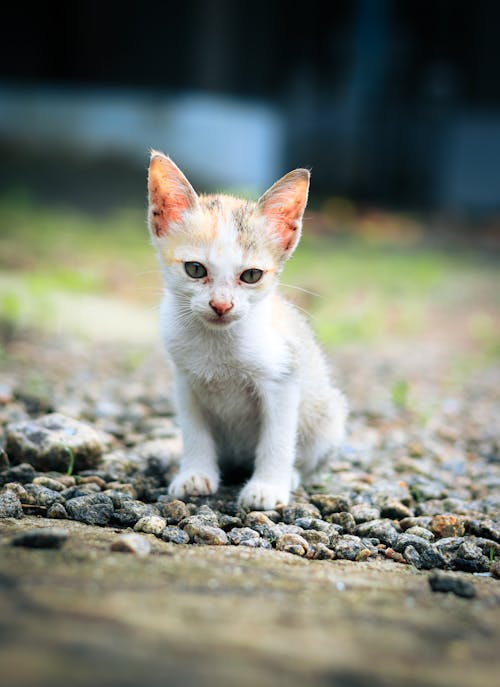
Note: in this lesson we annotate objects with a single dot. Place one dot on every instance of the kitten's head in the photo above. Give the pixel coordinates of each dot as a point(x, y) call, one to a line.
point(222, 255)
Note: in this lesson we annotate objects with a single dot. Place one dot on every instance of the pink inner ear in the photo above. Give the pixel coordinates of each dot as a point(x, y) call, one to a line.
point(285, 211)
point(167, 207)
point(169, 195)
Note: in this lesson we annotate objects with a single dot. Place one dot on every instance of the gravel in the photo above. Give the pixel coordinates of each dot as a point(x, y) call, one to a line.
point(402, 488)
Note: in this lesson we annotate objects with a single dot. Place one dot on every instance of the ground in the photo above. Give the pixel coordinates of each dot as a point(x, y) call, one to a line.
point(412, 332)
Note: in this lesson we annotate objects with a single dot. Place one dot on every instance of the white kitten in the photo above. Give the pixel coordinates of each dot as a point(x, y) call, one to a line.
point(252, 385)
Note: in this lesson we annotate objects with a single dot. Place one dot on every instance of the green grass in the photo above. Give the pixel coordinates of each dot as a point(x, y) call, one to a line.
point(367, 291)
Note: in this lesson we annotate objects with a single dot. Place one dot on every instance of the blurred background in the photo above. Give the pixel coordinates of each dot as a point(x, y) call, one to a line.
point(395, 106)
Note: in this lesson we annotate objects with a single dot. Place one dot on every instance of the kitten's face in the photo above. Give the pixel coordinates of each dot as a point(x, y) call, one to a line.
point(222, 255)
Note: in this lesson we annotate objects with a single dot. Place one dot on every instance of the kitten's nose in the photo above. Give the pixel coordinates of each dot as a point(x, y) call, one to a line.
point(220, 308)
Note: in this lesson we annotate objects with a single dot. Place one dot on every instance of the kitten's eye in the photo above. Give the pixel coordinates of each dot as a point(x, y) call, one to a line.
point(251, 276)
point(195, 270)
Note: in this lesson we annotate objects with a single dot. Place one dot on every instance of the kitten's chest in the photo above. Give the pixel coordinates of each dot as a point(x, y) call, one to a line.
point(218, 366)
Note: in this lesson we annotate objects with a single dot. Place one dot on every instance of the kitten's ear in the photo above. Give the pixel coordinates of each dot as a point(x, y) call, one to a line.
point(283, 206)
point(170, 194)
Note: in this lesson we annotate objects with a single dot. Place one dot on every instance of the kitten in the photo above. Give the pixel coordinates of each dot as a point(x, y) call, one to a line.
point(251, 383)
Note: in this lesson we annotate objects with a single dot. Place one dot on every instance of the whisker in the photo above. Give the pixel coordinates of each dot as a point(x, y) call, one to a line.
point(299, 288)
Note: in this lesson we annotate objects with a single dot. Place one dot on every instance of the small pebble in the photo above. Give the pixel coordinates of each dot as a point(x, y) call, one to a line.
point(316, 537)
point(200, 533)
point(299, 510)
point(175, 535)
point(383, 530)
point(395, 510)
point(330, 503)
point(41, 538)
point(345, 520)
point(240, 535)
point(174, 511)
point(446, 525)
point(57, 511)
point(412, 557)
point(421, 532)
point(150, 524)
point(362, 513)
point(320, 552)
point(446, 582)
point(132, 543)
point(10, 506)
point(93, 509)
point(292, 543)
point(49, 483)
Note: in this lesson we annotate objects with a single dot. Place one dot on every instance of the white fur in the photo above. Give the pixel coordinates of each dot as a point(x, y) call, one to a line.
point(253, 389)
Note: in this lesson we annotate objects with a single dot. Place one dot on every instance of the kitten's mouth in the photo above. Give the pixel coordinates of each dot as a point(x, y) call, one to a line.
point(218, 322)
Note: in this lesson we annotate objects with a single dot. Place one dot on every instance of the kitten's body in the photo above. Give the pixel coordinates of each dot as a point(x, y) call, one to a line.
point(252, 385)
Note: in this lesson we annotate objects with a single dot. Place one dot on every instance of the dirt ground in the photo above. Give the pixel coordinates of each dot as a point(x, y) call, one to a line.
point(224, 616)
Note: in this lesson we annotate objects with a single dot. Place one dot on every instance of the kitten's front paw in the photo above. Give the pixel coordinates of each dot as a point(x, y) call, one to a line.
point(259, 495)
point(190, 483)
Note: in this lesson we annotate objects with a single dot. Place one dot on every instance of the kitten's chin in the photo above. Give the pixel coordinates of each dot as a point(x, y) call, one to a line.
point(218, 322)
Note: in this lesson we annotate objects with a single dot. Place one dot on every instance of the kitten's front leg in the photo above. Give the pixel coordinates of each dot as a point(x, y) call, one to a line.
point(274, 475)
point(198, 472)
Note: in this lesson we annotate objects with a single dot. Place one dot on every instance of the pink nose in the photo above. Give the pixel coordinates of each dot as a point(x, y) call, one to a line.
point(220, 308)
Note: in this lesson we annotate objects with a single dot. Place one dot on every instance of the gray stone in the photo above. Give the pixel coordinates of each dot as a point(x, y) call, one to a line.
point(404, 540)
point(412, 557)
point(10, 506)
point(118, 497)
point(331, 503)
point(24, 473)
point(175, 535)
point(242, 535)
point(44, 496)
point(93, 509)
point(362, 512)
point(41, 538)
point(131, 511)
point(54, 442)
point(416, 521)
point(57, 511)
point(470, 558)
point(19, 491)
point(263, 525)
point(483, 528)
point(431, 558)
point(320, 552)
point(345, 521)
point(447, 582)
point(299, 510)
point(383, 530)
point(207, 515)
point(228, 522)
point(351, 548)
point(395, 510)
point(420, 532)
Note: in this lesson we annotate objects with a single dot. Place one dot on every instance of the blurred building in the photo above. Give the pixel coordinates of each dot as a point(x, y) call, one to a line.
point(388, 101)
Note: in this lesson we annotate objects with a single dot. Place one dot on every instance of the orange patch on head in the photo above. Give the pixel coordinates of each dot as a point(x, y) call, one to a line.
point(170, 194)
